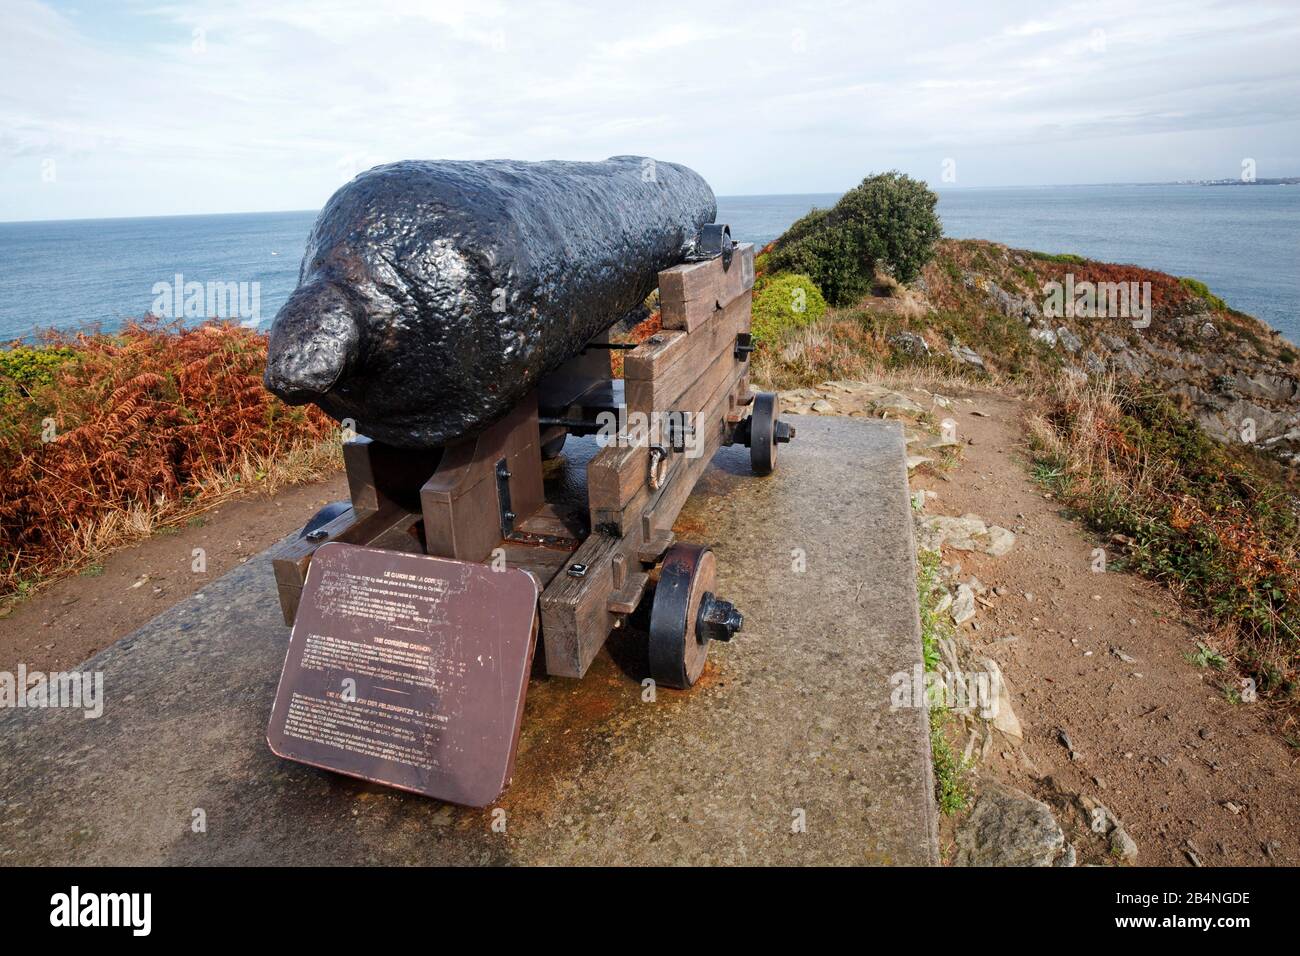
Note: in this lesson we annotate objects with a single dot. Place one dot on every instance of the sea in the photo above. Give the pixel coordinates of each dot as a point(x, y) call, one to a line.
point(1242, 241)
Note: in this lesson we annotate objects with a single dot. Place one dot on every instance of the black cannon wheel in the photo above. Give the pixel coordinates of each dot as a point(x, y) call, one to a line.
point(762, 433)
point(677, 649)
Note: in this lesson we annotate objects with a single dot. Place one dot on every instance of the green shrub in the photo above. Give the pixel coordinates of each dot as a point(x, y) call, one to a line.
point(1202, 291)
point(785, 301)
point(24, 368)
point(951, 773)
point(888, 221)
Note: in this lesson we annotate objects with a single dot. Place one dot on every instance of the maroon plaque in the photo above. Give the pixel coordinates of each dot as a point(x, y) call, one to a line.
point(408, 670)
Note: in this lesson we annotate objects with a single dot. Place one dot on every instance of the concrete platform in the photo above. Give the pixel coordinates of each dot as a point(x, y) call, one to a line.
point(791, 721)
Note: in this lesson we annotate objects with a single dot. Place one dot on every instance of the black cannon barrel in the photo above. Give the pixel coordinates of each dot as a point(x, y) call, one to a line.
point(433, 295)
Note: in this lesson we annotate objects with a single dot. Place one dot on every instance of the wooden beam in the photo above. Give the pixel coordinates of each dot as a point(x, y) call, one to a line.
point(391, 527)
point(663, 509)
point(689, 293)
point(575, 615)
point(379, 473)
point(711, 427)
point(626, 598)
point(710, 351)
point(462, 514)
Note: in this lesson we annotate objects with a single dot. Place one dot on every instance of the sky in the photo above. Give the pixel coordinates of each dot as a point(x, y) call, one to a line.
point(162, 108)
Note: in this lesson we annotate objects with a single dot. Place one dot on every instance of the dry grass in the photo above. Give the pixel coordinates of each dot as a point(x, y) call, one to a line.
point(833, 348)
point(1095, 412)
point(256, 474)
point(841, 347)
point(105, 439)
point(1180, 508)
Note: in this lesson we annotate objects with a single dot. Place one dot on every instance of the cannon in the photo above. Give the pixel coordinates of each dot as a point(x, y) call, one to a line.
point(460, 314)
point(434, 295)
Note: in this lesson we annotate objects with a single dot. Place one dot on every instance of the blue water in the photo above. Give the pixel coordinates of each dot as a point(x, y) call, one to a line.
point(73, 273)
point(1243, 241)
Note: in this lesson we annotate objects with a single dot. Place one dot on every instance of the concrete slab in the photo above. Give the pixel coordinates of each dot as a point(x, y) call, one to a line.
point(790, 722)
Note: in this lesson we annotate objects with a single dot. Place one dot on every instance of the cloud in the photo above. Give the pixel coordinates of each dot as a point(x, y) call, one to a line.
point(1030, 28)
point(197, 105)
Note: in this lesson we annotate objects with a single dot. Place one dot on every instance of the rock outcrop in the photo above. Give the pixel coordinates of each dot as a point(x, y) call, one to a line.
point(1009, 828)
point(1236, 377)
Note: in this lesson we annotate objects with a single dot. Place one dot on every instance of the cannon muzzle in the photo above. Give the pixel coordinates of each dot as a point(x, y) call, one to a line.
point(315, 342)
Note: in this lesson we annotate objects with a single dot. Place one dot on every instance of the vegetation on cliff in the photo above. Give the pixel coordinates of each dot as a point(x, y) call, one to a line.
point(106, 438)
point(1173, 504)
point(784, 302)
point(886, 224)
point(1169, 419)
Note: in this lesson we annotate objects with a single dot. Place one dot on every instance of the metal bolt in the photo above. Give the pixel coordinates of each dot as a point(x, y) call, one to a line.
point(718, 620)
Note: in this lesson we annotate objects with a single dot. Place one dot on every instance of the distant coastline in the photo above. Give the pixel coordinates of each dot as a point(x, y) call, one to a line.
point(1265, 181)
point(69, 273)
point(1283, 181)
point(937, 187)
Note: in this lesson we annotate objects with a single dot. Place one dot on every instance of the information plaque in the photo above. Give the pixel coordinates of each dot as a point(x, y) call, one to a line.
point(408, 670)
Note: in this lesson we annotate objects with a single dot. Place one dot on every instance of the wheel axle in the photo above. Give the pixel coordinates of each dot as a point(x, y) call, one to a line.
point(718, 620)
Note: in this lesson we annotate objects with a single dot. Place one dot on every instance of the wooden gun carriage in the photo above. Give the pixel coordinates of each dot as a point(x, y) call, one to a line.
point(485, 499)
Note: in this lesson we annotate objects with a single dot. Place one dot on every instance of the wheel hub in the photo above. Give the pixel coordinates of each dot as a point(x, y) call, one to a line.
point(718, 620)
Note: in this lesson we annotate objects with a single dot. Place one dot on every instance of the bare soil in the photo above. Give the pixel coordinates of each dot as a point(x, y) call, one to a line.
point(1155, 739)
point(66, 623)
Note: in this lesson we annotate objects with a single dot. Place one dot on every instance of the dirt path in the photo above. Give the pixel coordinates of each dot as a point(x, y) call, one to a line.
point(1155, 738)
point(78, 616)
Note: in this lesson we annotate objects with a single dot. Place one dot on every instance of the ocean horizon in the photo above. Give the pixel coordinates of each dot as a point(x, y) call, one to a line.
point(78, 273)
